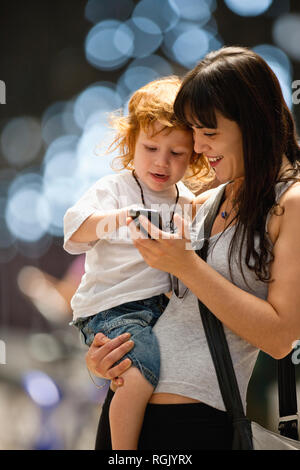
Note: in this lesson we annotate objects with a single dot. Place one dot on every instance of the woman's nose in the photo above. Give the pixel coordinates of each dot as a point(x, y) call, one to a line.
point(200, 145)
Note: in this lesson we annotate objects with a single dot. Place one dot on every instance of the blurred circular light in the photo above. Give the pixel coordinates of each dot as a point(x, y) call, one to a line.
point(285, 88)
point(57, 120)
point(23, 180)
point(286, 34)
point(187, 43)
point(58, 194)
point(193, 10)
point(108, 48)
point(147, 36)
point(99, 98)
point(61, 183)
point(136, 77)
point(41, 388)
point(248, 7)
point(281, 66)
point(273, 54)
point(21, 140)
point(59, 170)
point(7, 239)
point(66, 143)
point(68, 119)
point(62, 164)
point(92, 161)
point(96, 11)
point(53, 128)
point(36, 248)
point(44, 347)
point(190, 47)
point(164, 13)
point(142, 71)
point(52, 110)
point(27, 212)
point(6, 177)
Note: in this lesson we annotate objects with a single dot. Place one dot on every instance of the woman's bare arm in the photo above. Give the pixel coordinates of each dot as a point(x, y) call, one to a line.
point(271, 325)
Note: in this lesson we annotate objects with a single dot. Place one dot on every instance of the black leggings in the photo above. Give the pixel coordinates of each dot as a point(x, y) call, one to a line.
point(190, 426)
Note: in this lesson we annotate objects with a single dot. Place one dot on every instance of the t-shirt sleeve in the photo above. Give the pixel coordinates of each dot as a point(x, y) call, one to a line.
point(102, 196)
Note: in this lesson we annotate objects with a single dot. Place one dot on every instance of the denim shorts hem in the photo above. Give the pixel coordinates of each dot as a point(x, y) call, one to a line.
point(148, 374)
point(136, 318)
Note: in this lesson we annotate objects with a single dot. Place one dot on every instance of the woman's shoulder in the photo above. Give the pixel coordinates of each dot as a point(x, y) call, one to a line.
point(290, 199)
point(287, 206)
point(293, 190)
point(287, 192)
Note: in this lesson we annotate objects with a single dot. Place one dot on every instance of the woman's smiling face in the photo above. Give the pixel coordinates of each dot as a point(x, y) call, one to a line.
point(223, 146)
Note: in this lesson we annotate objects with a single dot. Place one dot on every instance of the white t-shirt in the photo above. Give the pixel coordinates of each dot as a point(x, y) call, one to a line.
point(115, 272)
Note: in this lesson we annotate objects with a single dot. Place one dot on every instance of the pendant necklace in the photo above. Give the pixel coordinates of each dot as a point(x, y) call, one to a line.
point(224, 213)
point(171, 223)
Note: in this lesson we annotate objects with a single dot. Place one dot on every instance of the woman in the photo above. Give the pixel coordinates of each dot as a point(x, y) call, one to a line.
point(233, 102)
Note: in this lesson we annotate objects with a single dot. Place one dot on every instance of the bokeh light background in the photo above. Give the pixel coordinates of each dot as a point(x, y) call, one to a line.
point(66, 65)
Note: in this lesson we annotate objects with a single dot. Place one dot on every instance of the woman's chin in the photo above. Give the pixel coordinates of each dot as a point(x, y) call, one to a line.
point(222, 178)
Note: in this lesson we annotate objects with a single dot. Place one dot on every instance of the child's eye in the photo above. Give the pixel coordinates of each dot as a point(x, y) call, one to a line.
point(176, 153)
point(151, 149)
point(209, 134)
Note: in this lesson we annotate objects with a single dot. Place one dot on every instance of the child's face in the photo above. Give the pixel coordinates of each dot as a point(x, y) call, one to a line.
point(160, 160)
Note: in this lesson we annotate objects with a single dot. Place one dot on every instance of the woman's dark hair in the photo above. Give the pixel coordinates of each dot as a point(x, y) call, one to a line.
point(239, 84)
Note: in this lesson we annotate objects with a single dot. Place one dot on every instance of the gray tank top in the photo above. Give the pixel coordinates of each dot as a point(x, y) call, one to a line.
point(186, 365)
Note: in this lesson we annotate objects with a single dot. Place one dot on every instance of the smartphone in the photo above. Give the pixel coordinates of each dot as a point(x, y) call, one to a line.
point(152, 215)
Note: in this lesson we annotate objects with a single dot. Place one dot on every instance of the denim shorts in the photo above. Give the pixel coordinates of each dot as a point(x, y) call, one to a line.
point(137, 318)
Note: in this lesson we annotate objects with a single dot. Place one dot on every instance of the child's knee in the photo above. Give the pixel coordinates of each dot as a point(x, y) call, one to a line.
point(133, 376)
point(134, 383)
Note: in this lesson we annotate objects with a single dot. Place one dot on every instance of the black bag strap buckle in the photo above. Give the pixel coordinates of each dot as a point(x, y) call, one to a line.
point(288, 426)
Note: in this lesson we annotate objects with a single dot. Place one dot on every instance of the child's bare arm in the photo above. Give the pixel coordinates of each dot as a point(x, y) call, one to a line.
point(98, 225)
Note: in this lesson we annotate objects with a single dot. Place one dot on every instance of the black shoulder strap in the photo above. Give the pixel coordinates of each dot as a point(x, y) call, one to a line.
point(223, 363)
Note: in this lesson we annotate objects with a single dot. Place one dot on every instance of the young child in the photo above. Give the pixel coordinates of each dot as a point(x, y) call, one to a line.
point(119, 292)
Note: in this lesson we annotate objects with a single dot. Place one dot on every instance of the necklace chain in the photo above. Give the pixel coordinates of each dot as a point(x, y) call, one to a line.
point(143, 200)
point(224, 213)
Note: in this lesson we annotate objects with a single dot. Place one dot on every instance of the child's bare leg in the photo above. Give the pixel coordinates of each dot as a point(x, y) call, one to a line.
point(127, 408)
